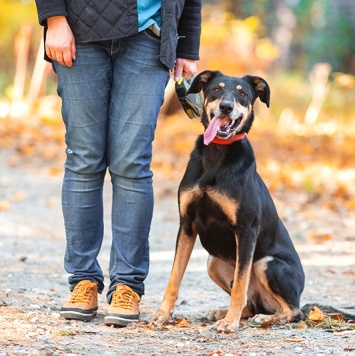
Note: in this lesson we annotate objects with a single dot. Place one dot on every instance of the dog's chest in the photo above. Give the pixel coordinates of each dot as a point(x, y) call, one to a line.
point(215, 216)
point(208, 204)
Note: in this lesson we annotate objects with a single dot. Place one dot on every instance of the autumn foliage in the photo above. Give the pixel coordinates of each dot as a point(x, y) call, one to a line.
point(294, 153)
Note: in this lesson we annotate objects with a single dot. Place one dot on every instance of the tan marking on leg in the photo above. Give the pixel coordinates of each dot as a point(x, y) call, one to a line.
point(239, 291)
point(184, 247)
point(271, 301)
point(222, 273)
point(182, 256)
point(183, 252)
point(238, 297)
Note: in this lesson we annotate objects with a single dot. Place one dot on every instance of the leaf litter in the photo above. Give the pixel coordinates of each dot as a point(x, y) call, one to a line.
point(33, 285)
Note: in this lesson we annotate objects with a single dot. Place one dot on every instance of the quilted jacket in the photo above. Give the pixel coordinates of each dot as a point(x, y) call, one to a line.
point(110, 19)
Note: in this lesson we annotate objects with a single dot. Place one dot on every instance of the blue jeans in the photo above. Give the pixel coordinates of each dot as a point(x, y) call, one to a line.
point(110, 103)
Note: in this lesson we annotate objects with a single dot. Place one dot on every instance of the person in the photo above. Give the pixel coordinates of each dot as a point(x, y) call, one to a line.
point(112, 59)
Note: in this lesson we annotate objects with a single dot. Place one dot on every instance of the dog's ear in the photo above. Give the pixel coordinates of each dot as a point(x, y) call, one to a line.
point(261, 88)
point(201, 80)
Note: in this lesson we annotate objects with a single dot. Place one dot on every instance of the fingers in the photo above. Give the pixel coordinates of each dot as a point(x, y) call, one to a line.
point(64, 54)
point(63, 57)
point(73, 50)
point(67, 59)
point(60, 42)
point(184, 67)
point(177, 71)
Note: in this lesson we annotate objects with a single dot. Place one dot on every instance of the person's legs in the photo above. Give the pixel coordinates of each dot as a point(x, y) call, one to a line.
point(139, 81)
point(85, 93)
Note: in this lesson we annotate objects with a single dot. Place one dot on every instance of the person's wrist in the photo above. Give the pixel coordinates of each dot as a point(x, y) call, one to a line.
point(55, 19)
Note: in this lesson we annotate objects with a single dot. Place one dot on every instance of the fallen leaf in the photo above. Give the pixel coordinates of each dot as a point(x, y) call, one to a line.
point(267, 323)
point(65, 333)
point(20, 196)
point(349, 349)
point(318, 237)
point(181, 323)
point(316, 314)
point(218, 352)
point(148, 326)
point(329, 270)
point(336, 316)
point(300, 325)
point(5, 205)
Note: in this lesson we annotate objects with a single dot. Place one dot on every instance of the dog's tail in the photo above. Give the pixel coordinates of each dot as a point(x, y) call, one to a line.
point(327, 310)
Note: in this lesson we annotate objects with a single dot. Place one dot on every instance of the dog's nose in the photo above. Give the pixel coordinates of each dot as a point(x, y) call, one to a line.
point(226, 107)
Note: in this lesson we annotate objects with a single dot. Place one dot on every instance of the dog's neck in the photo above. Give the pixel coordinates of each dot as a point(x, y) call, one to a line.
point(220, 141)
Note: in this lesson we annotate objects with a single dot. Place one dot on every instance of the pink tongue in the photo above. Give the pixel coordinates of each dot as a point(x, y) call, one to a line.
point(211, 131)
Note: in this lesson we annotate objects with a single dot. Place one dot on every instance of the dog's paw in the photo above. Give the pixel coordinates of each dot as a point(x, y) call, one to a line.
point(266, 319)
point(261, 318)
point(226, 326)
point(159, 318)
point(213, 315)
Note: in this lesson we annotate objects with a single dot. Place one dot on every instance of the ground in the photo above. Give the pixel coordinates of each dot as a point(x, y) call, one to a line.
point(33, 284)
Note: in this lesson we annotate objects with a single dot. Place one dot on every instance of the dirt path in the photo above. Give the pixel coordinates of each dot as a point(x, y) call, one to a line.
point(33, 284)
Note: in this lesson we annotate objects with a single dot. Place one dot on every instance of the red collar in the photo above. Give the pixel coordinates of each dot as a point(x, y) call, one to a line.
point(228, 141)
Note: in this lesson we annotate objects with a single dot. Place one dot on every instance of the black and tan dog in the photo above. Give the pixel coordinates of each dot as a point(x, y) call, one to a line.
point(224, 201)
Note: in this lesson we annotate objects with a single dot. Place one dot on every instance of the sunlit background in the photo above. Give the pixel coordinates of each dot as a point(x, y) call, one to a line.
point(304, 145)
point(305, 49)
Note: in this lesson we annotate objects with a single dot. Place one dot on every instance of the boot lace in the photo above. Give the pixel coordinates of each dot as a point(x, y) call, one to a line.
point(124, 297)
point(82, 293)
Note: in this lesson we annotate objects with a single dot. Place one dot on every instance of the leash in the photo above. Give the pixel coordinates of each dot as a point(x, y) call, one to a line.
point(191, 103)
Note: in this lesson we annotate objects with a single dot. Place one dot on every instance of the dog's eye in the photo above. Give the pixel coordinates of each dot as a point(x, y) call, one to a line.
point(216, 90)
point(241, 94)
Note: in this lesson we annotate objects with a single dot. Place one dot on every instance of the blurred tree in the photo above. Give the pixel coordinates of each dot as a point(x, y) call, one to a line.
point(347, 9)
point(305, 31)
point(14, 14)
point(323, 34)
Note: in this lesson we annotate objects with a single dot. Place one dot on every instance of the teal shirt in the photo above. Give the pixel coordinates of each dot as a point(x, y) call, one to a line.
point(148, 13)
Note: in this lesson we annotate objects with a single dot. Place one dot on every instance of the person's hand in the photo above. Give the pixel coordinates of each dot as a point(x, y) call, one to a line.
point(184, 67)
point(60, 42)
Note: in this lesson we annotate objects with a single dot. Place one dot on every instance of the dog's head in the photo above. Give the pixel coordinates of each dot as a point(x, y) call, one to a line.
point(228, 102)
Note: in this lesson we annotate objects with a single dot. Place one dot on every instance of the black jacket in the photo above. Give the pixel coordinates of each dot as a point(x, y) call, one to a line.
point(111, 19)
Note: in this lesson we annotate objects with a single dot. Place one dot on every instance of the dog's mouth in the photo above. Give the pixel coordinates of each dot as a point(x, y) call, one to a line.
point(222, 127)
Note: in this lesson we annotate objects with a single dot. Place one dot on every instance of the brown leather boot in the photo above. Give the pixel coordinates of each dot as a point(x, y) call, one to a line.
point(82, 304)
point(124, 307)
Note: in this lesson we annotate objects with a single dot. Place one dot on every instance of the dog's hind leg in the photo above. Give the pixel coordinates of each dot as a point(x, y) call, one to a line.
point(279, 286)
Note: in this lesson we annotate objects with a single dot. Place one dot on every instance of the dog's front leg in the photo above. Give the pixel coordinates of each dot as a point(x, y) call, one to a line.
point(184, 247)
point(245, 243)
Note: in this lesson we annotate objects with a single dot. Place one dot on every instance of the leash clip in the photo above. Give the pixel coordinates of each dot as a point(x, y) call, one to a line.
point(191, 103)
